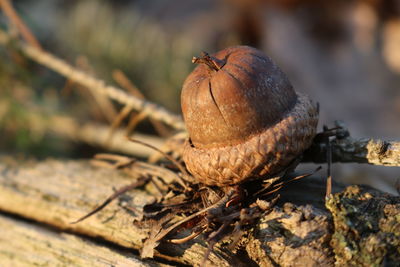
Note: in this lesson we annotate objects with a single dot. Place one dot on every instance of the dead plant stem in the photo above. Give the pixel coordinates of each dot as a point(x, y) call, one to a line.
point(58, 65)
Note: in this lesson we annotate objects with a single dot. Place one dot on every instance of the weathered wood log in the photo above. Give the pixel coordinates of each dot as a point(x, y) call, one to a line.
point(55, 193)
point(28, 244)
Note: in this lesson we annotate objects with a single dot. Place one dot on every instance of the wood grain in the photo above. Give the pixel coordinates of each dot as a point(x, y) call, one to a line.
point(53, 193)
point(28, 244)
point(56, 193)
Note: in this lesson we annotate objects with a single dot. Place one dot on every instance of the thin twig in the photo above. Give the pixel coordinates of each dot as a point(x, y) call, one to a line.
point(10, 12)
point(103, 104)
point(194, 215)
point(152, 110)
point(116, 194)
point(276, 187)
point(186, 238)
point(137, 167)
point(174, 161)
point(329, 163)
point(134, 121)
point(126, 83)
point(118, 160)
point(97, 135)
point(117, 122)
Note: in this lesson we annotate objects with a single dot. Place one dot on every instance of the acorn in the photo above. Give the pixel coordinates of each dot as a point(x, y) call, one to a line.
point(244, 119)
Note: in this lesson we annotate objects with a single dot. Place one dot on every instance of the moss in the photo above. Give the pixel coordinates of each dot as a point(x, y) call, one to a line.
point(366, 227)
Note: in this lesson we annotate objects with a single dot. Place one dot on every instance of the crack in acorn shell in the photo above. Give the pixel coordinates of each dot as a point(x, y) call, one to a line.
point(242, 101)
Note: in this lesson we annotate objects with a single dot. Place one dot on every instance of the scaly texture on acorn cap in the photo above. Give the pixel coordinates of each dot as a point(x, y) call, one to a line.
point(262, 155)
point(252, 124)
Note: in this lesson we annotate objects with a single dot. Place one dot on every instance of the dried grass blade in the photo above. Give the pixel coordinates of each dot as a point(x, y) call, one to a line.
point(117, 122)
point(119, 192)
point(174, 161)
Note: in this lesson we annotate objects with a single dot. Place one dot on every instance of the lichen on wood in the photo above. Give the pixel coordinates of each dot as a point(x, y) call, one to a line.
point(366, 227)
point(353, 150)
point(291, 235)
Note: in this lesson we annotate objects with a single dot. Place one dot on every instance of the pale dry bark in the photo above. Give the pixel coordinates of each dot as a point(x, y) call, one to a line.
point(28, 244)
point(351, 150)
point(55, 193)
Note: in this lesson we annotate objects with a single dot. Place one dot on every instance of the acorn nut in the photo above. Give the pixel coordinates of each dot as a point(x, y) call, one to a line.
point(244, 119)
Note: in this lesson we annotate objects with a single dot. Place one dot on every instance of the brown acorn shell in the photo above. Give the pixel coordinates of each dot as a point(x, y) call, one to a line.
point(261, 155)
point(244, 119)
point(225, 107)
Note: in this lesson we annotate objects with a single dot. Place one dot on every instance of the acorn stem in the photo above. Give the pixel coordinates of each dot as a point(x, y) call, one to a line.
point(212, 62)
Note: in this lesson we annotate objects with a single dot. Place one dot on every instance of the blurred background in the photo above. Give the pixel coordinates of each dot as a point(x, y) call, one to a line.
point(344, 54)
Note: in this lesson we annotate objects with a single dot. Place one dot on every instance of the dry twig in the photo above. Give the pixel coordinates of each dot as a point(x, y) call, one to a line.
point(52, 62)
point(10, 12)
point(124, 82)
point(97, 135)
point(347, 149)
point(103, 104)
point(116, 194)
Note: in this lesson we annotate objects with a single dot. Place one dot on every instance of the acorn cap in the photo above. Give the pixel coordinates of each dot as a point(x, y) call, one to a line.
point(244, 119)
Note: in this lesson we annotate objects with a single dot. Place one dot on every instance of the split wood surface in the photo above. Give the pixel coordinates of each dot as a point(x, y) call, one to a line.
point(27, 244)
point(56, 193)
point(39, 200)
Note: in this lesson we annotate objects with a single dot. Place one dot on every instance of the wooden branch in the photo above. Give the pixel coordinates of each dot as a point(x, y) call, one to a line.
point(98, 135)
point(375, 152)
point(29, 244)
point(10, 12)
point(50, 61)
point(346, 150)
point(124, 82)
